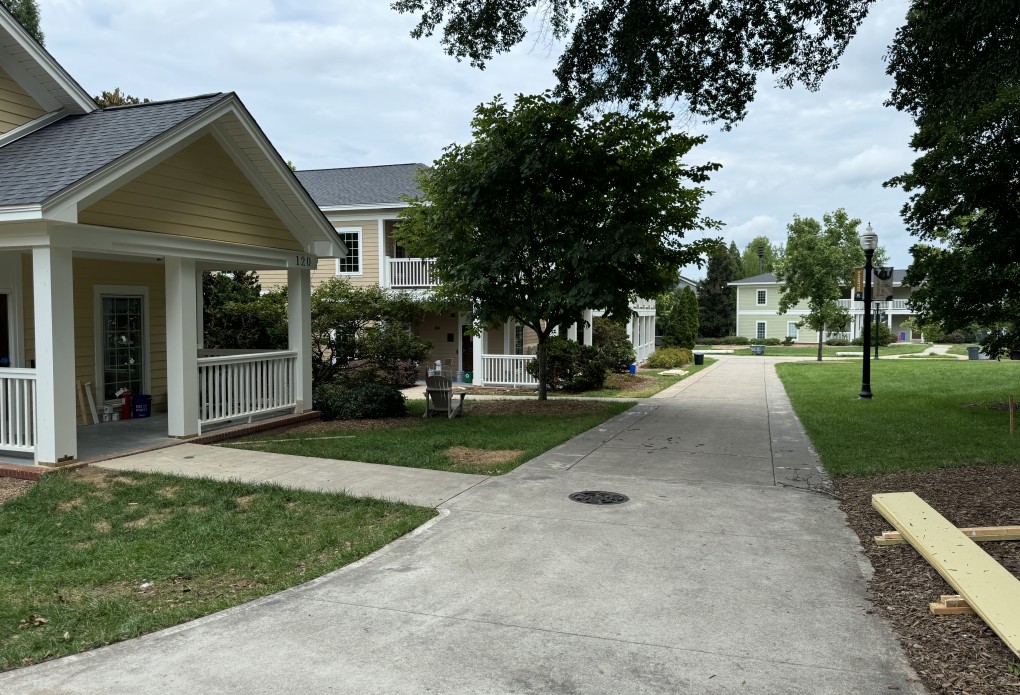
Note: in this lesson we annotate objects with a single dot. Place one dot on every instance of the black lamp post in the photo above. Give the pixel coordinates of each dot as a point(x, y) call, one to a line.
point(869, 242)
point(761, 260)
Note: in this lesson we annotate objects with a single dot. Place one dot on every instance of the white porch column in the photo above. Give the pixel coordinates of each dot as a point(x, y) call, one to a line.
point(181, 346)
point(478, 343)
point(588, 319)
point(572, 332)
point(53, 288)
point(299, 332)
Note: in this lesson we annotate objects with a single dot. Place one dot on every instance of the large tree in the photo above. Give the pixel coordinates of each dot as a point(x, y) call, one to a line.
point(957, 72)
point(817, 268)
point(716, 299)
point(749, 261)
point(117, 98)
point(27, 14)
point(548, 212)
point(626, 51)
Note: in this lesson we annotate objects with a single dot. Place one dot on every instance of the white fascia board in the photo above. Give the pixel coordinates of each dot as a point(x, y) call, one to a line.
point(21, 213)
point(109, 240)
point(364, 206)
point(30, 127)
point(42, 58)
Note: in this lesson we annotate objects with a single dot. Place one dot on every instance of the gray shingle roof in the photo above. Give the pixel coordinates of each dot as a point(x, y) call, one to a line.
point(370, 186)
point(52, 158)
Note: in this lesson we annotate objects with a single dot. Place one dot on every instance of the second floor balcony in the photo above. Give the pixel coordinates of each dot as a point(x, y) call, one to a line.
point(896, 305)
point(410, 273)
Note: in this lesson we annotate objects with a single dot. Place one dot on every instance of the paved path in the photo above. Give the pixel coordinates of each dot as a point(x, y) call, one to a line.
point(714, 578)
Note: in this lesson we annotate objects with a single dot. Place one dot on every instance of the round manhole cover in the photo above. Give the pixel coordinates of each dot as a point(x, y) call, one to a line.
point(599, 497)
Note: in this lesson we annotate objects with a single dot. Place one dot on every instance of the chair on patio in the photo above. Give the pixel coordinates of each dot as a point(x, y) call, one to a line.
point(439, 395)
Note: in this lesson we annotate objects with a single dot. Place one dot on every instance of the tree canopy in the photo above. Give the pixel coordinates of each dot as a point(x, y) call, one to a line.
point(117, 98)
point(749, 259)
point(27, 14)
point(817, 267)
point(956, 72)
point(707, 53)
point(717, 301)
point(548, 212)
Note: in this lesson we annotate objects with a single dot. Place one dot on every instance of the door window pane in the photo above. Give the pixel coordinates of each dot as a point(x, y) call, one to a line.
point(123, 344)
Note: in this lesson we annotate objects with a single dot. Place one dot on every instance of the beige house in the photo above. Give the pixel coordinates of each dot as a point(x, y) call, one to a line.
point(363, 204)
point(108, 217)
point(758, 314)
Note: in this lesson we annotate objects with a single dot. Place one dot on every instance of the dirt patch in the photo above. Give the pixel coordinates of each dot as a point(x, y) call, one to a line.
point(1002, 406)
point(534, 407)
point(333, 425)
point(103, 526)
point(243, 502)
point(474, 459)
point(629, 382)
point(13, 487)
point(148, 520)
point(951, 654)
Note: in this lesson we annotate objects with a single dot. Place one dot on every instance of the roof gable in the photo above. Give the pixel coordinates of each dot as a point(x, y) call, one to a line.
point(36, 72)
point(17, 107)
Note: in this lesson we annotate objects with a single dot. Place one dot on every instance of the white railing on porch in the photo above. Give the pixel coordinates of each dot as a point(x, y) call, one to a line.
point(506, 370)
point(894, 305)
point(410, 273)
point(17, 410)
point(244, 384)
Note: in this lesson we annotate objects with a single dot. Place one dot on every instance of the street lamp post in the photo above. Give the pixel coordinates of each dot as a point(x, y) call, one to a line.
point(878, 318)
point(869, 242)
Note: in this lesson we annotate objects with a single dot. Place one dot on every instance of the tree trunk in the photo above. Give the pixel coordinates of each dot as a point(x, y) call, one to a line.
point(543, 367)
point(821, 332)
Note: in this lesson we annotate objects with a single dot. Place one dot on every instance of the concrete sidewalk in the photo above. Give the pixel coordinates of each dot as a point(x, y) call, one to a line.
point(719, 575)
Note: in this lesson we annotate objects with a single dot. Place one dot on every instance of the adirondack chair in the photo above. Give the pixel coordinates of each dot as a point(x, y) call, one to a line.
point(439, 397)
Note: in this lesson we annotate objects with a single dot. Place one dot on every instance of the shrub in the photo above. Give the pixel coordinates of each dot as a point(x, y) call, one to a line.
point(837, 342)
point(571, 366)
point(611, 340)
point(682, 322)
point(788, 340)
point(337, 401)
point(768, 341)
point(669, 358)
point(733, 340)
point(883, 336)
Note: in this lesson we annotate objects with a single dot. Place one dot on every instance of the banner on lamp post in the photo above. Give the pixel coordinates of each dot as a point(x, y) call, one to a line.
point(881, 284)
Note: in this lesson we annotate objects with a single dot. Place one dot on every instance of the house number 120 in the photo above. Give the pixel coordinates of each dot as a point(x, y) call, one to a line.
point(303, 261)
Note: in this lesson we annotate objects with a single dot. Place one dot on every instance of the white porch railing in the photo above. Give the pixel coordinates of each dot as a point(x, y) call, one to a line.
point(410, 273)
point(243, 385)
point(506, 370)
point(894, 305)
point(17, 410)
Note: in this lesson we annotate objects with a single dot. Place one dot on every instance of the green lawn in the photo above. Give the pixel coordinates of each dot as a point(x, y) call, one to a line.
point(91, 557)
point(960, 349)
point(827, 350)
point(924, 414)
point(492, 438)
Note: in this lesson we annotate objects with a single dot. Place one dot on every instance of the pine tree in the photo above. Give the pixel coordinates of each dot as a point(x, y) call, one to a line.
point(717, 300)
point(27, 13)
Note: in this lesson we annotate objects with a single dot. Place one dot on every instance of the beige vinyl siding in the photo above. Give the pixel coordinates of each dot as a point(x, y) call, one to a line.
point(87, 274)
point(530, 341)
point(497, 342)
point(436, 328)
point(16, 106)
point(274, 279)
point(198, 193)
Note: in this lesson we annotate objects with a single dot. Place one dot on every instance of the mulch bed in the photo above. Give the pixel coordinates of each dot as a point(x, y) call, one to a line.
point(950, 653)
point(13, 487)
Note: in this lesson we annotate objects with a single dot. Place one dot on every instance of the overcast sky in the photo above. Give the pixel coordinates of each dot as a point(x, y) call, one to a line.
point(339, 83)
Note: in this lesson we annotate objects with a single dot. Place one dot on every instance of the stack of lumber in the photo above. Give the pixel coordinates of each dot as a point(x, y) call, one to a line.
point(985, 585)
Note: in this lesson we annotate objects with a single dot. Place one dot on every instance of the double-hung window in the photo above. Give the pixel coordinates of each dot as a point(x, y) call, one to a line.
point(351, 263)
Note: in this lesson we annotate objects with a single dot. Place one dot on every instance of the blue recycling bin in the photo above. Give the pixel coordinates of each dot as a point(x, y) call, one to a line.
point(141, 405)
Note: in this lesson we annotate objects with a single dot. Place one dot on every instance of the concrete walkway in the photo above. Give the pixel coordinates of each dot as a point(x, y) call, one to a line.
point(721, 574)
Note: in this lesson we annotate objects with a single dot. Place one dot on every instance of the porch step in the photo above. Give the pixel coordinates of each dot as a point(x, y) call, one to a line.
point(26, 472)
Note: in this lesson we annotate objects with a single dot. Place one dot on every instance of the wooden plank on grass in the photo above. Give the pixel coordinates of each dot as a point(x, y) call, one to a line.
point(987, 586)
point(979, 534)
point(951, 604)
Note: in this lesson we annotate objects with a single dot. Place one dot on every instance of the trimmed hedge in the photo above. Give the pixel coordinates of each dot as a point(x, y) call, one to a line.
point(669, 358)
point(725, 340)
point(360, 401)
point(571, 366)
point(612, 341)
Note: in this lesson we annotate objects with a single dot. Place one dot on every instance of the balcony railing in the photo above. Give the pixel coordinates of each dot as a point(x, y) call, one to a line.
point(507, 370)
point(410, 273)
point(241, 386)
point(894, 305)
point(17, 410)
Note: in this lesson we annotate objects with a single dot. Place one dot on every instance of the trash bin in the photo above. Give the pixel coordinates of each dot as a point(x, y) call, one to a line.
point(699, 358)
point(469, 377)
point(142, 404)
point(973, 353)
point(757, 349)
point(633, 369)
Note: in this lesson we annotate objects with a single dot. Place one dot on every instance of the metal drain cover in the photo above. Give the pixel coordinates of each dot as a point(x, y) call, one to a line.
point(599, 497)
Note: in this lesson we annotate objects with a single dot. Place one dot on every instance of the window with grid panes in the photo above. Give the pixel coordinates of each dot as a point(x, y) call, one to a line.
point(350, 264)
point(762, 295)
point(123, 342)
point(760, 330)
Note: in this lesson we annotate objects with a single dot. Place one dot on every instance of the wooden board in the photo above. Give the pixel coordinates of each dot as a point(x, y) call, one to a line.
point(980, 534)
point(951, 604)
point(987, 586)
point(92, 402)
point(83, 413)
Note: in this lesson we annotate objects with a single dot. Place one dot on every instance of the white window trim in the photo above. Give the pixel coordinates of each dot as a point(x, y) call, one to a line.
point(796, 331)
point(100, 291)
point(765, 324)
point(361, 253)
point(757, 294)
